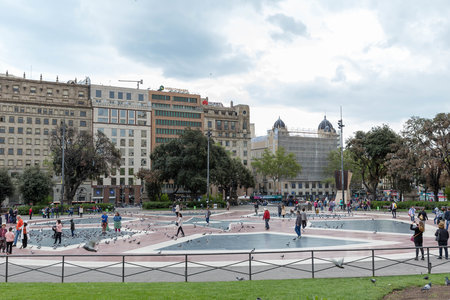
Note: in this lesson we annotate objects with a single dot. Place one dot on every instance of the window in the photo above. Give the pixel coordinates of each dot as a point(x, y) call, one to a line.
point(313, 185)
point(2, 151)
point(143, 152)
point(245, 152)
point(20, 151)
point(82, 113)
point(29, 130)
point(38, 121)
point(11, 141)
point(299, 185)
point(37, 131)
point(20, 120)
point(49, 92)
point(11, 119)
point(131, 133)
point(130, 152)
point(102, 114)
point(123, 132)
point(37, 141)
point(98, 93)
point(227, 143)
point(80, 94)
point(209, 124)
point(83, 124)
point(114, 116)
point(54, 121)
point(10, 151)
point(11, 130)
point(15, 88)
point(130, 143)
point(131, 117)
point(32, 90)
point(219, 125)
point(46, 121)
point(122, 171)
point(143, 133)
point(119, 95)
point(130, 181)
point(65, 93)
point(245, 162)
point(37, 152)
point(19, 141)
point(141, 97)
point(70, 122)
point(123, 142)
point(131, 161)
point(28, 151)
point(111, 94)
point(114, 131)
point(2, 129)
point(143, 143)
point(293, 185)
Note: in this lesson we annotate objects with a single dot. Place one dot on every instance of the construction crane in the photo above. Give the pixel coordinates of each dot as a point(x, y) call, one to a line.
point(137, 81)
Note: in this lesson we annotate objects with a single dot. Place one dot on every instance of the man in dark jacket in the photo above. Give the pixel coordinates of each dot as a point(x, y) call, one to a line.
point(442, 239)
point(422, 215)
point(298, 224)
point(447, 218)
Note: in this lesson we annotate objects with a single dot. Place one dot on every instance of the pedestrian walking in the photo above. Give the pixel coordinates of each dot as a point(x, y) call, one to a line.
point(117, 222)
point(283, 211)
point(19, 227)
point(304, 219)
point(9, 236)
point(72, 227)
point(266, 218)
point(104, 222)
point(58, 231)
point(24, 236)
point(422, 215)
point(442, 239)
point(3, 232)
point(179, 223)
point(228, 204)
point(447, 217)
point(256, 207)
point(412, 213)
point(80, 211)
point(394, 210)
point(30, 212)
point(207, 215)
point(298, 225)
point(418, 238)
point(279, 210)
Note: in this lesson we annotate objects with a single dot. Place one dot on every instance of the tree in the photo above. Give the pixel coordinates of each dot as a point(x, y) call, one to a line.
point(35, 185)
point(152, 179)
point(6, 185)
point(277, 165)
point(334, 163)
point(370, 152)
point(86, 157)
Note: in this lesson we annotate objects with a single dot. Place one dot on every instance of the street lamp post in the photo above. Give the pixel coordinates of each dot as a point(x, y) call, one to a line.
point(63, 145)
point(341, 127)
point(207, 168)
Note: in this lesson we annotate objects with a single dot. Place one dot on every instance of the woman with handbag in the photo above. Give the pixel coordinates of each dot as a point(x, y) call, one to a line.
point(417, 238)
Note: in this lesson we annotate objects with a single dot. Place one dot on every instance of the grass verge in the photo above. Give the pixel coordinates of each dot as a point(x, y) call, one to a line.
point(330, 288)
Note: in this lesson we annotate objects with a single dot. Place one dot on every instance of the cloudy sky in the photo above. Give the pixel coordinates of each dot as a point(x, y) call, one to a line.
point(382, 61)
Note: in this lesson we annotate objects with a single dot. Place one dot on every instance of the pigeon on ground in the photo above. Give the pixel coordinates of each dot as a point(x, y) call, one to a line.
point(282, 256)
point(338, 262)
point(90, 246)
point(426, 277)
point(447, 281)
point(427, 287)
point(373, 280)
point(239, 278)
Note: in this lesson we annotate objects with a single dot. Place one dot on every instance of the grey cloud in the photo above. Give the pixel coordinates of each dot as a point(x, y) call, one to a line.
point(289, 26)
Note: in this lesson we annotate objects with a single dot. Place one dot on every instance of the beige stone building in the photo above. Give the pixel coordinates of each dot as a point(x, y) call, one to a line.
point(124, 116)
point(30, 110)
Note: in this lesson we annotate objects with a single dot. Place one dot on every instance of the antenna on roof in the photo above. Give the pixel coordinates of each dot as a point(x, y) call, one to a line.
point(137, 81)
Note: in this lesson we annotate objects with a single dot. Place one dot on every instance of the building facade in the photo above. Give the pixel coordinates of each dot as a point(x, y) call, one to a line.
point(311, 149)
point(124, 116)
point(30, 110)
point(230, 127)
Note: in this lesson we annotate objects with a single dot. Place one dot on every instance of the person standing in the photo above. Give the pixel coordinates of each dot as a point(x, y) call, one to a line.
point(304, 217)
point(179, 223)
point(117, 222)
point(104, 222)
point(412, 213)
point(57, 211)
point(207, 215)
point(58, 231)
point(24, 235)
point(279, 210)
point(80, 211)
point(418, 238)
point(3, 232)
point(394, 210)
point(9, 237)
point(283, 210)
point(228, 204)
point(442, 239)
point(19, 227)
point(447, 218)
point(256, 207)
point(298, 225)
point(266, 218)
point(72, 227)
point(177, 209)
point(47, 210)
point(422, 215)
point(30, 212)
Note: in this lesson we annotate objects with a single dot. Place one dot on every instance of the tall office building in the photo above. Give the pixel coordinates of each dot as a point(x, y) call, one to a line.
point(124, 116)
point(311, 149)
point(30, 111)
point(173, 110)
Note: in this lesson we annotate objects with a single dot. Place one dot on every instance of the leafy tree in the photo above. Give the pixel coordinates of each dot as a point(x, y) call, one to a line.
point(370, 151)
point(35, 185)
point(152, 179)
point(334, 163)
point(277, 165)
point(86, 157)
point(6, 185)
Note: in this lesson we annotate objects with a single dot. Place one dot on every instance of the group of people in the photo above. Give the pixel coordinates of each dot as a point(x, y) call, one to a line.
point(441, 234)
point(8, 238)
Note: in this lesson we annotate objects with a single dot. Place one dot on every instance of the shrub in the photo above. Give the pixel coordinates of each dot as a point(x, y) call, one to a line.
point(407, 204)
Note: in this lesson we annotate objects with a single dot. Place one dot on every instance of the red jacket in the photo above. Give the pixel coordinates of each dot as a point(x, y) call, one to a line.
point(266, 215)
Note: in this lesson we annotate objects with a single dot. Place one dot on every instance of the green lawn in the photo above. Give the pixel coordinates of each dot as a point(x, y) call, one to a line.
point(335, 288)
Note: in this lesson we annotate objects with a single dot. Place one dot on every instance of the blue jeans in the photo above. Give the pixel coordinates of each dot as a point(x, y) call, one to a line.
point(207, 220)
point(267, 223)
point(298, 231)
point(16, 237)
point(447, 224)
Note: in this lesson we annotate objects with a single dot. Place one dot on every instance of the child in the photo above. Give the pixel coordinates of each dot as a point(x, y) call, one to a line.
point(3, 231)
point(72, 227)
point(25, 235)
point(9, 241)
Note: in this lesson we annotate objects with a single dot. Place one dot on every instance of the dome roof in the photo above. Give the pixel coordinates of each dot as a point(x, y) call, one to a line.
point(279, 124)
point(326, 126)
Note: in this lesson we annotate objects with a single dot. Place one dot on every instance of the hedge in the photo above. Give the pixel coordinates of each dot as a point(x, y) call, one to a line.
point(37, 209)
point(189, 204)
point(407, 204)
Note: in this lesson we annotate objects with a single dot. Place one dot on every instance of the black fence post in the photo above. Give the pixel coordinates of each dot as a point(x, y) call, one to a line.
point(428, 260)
point(249, 266)
point(6, 270)
point(185, 268)
point(123, 268)
point(312, 263)
point(373, 262)
point(62, 270)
